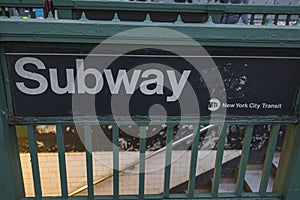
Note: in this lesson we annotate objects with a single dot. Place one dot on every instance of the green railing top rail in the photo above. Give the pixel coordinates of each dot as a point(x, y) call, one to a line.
point(139, 6)
point(145, 121)
point(179, 7)
point(74, 31)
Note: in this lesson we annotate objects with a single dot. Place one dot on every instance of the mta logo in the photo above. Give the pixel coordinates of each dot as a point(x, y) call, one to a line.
point(214, 104)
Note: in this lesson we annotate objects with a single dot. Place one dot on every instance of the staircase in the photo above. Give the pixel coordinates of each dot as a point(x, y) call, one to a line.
point(252, 179)
point(254, 174)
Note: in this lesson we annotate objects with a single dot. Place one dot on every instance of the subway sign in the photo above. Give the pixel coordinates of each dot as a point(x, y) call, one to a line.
point(43, 83)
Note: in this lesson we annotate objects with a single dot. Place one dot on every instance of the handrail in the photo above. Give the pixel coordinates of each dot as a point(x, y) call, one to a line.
point(159, 7)
point(138, 160)
point(167, 12)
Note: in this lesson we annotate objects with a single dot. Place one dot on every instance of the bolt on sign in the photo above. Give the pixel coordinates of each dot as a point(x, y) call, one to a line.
point(256, 83)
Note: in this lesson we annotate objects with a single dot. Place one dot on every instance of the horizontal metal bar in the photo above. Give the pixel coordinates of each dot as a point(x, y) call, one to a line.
point(241, 120)
point(159, 7)
point(22, 4)
point(58, 31)
point(224, 196)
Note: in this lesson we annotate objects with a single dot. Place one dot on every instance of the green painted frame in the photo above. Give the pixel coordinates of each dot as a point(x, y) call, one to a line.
point(51, 31)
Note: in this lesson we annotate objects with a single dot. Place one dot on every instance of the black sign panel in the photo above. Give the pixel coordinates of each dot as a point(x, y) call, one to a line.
point(42, 84)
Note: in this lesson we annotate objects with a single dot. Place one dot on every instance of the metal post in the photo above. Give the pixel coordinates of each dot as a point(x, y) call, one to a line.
point(11, 182)
point(288, 173)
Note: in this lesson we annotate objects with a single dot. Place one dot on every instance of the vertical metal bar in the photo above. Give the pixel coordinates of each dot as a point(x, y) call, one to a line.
point(168, 160)
point(218, 162)
point(288, 18)
point(142, 161)
point(116, 160)
point(288, 173)
point(2, 11)
point(244, 160)
point(276, 19)
point(264, 19)
point(62, 161)
point(16, 167)
point(6, 80)
point(193, 162)
point(228, 15)
point(216, 17)
point(252, 19)
point(34, 162)
point(269, 158)
point(89, 160)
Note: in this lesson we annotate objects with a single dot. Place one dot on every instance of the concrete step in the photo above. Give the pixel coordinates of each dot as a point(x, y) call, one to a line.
point(200, 191)
point(227, 185)
point(252, 181)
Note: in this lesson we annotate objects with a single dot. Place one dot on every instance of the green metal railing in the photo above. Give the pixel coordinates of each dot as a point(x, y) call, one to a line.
point(292, 135)
point(67, 30)
point(168, 12)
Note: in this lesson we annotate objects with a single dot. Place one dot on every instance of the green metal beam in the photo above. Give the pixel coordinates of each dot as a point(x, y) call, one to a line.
point(76, 31)
point(293, 191)
point(288, 174)
point(93, 32)
point(173, 196)
point(240, 120)
point(11, 181)
point(155, 7)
